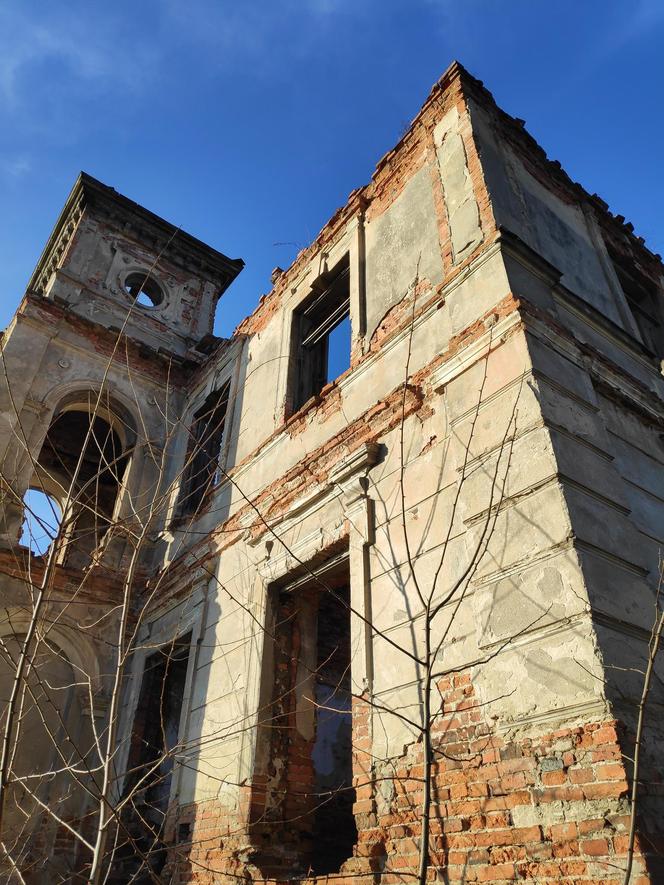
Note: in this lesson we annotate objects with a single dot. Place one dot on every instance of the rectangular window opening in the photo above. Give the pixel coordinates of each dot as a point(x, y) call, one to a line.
point(335, 831)
point(154, 746)
point(305, 821)
point(201, 472)
point(322, 334)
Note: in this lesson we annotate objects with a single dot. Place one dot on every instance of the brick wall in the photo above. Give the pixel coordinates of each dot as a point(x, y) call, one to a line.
point(544, 808)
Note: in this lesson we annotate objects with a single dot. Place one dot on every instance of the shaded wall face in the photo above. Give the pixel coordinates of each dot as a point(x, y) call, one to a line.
point(52, 732)
point(527, 200)
point(600, 394)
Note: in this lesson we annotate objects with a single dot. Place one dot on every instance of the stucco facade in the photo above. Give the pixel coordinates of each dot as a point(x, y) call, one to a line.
point(492, 456)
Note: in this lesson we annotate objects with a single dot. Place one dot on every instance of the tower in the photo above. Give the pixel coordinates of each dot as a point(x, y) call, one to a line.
point(115, 285)
point(117, 316)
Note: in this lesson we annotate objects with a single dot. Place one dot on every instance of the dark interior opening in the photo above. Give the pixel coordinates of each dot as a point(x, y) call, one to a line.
point(304, 822)
point(95, 489)
point(202, 462)
point(335, 831)
point(322, 334)
point(143, 289)
point(154, 746)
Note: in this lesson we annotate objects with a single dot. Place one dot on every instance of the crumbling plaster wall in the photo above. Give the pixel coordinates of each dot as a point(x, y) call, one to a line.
point(504, 456)
point(514, 456)
point(476, 404)
point(601, 395)
point(401, 242)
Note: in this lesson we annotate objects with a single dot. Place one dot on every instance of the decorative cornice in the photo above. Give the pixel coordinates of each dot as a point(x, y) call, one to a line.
point(511, 244)
point(360, 461)
point(177, 246)
point(346, 477)
point(587, 711)
point(469, 355)
point(58, 242)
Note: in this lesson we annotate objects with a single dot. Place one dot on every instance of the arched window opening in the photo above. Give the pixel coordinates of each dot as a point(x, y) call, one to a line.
point(42, 516)
point(144, 289)
point(86, 455)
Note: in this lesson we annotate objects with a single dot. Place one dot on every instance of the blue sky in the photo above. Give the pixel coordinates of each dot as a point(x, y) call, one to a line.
point(248, 123)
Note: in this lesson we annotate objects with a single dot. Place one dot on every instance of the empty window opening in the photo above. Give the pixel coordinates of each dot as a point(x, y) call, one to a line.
point(304, 822)
point(154, 747)
point(322, 334)
point(83, 454)
point(201, 471)
point(143, 289)
point(41, 521)
point(641, 296)
point(335, 831)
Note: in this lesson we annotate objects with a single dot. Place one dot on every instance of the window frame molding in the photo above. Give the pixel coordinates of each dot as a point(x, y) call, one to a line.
point(154, 635)
point(228, 375)
point(351, 242)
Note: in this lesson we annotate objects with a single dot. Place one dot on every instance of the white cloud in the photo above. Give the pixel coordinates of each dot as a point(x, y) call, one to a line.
point(255, 27)
point(85, 43)
point(95, 46)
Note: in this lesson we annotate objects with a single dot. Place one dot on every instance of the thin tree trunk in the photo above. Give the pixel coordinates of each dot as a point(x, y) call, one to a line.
point(428, 760)
point(653, 649)
point(97, 873)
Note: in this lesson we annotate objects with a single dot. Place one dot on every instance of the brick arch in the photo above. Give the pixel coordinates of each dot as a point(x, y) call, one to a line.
point(114, 408)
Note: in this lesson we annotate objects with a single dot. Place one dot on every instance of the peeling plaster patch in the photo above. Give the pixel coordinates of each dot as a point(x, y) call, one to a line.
point(519, 602)
point(405, 233)
point(462, 209)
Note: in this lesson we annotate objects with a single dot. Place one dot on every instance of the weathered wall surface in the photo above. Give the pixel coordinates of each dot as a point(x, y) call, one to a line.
point(401, 242)
point(494, 449)
point(489, 491)
point(542, 212)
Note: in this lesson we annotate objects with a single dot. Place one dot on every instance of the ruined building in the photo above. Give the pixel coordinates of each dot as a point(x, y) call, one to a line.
point(412, 507)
